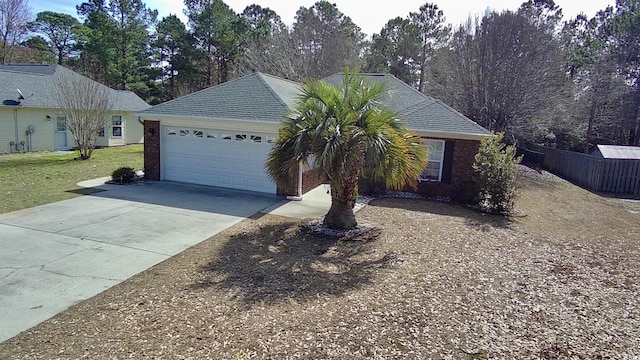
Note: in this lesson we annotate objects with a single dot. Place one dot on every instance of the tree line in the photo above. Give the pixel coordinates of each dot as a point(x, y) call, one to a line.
point(569, 84)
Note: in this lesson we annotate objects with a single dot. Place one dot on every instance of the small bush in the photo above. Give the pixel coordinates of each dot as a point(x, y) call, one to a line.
point(123, 175)
point(495, 165)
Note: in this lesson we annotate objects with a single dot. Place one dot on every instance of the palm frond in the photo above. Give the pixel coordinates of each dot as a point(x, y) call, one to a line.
point(345, 127)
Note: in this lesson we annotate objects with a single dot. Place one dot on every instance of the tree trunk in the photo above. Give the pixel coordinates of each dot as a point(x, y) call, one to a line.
point(592, 117)
point(340, 215)
point(343, 198)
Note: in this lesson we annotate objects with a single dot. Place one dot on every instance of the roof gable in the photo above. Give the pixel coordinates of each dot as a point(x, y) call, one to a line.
point(399, 95)
point(254, 97)
point(39, 80)
point(420, 112)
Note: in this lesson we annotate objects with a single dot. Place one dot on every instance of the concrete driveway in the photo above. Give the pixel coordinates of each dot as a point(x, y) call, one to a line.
point(56, 255)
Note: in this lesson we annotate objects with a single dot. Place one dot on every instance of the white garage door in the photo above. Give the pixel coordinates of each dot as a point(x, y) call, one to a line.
point(216, 157)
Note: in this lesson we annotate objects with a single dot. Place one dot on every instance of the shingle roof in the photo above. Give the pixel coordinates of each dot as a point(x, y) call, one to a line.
point(399, 94)
point(617, 152)
point(266, 98)
point(256, 97)
point(431, 115)
point(39, 80)
point(422, 113)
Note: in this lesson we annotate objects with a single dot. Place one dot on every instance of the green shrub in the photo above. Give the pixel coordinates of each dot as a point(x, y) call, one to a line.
point(495, 166)
point(123, 175)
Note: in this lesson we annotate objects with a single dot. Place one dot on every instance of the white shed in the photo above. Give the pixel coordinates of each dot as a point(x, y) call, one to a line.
point(617, 152)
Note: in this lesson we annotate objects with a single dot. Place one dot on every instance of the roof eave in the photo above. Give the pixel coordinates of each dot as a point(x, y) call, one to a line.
point(452, 135)
point(160, 117)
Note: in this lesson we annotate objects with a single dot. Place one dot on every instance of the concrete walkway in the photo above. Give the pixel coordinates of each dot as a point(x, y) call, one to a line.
point(314, 204)
point(55, 255)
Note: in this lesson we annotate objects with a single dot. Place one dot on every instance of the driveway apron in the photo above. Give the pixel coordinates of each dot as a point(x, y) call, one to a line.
point(56, 255)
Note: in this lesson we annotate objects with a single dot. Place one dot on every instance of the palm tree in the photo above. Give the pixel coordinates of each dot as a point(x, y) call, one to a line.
point(346, 133)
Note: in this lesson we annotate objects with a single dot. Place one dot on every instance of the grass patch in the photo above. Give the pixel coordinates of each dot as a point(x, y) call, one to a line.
point(35, 180)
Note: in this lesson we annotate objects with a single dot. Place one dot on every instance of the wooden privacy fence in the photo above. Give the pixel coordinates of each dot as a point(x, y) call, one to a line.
point(619, 176)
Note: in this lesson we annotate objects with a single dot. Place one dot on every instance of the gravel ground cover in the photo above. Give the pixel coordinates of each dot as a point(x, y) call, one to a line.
point(439, 282)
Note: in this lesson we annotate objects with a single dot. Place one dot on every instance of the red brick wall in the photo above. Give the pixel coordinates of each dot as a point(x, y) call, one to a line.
point(310, 180)
point(464, 153)
point(152, 150)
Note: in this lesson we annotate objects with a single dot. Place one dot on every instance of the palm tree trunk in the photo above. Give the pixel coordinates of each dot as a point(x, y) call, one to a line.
point(343, 197)
point(341, 215)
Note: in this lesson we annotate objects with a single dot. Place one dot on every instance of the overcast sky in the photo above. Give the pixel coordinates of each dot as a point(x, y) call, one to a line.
point(371, 18)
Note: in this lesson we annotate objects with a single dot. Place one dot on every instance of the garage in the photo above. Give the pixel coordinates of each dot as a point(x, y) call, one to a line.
point(220, 136)
point(231, 159)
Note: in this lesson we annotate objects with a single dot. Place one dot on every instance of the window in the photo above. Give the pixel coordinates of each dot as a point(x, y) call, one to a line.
point(212, 135)
point(183, 132)
point(101, 132)
point(224, 136)
point(433, 172)
point(198, 133)
point(116, 126)
point(256, 138)
point(241, 137)
point(61, 124)
point(172, 132)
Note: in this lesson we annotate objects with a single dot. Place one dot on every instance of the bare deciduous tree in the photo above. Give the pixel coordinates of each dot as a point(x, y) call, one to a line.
point(87, 105)
point(279, 56)
point(14, 16)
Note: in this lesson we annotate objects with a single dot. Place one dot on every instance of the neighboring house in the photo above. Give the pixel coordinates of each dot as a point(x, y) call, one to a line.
point(222, 135)
point(617, 152)
point(35, 123)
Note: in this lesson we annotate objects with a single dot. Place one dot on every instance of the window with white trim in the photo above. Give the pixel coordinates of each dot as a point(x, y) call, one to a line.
point(433, 171)
point(116, 126)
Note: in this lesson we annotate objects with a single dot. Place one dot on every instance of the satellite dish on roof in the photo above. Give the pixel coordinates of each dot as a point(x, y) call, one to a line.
point(21, 95)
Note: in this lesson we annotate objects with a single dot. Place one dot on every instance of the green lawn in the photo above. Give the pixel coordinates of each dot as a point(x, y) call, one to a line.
point(35, 180)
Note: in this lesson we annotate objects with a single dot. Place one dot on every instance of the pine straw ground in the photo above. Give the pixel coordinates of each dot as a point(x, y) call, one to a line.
point(441, 282)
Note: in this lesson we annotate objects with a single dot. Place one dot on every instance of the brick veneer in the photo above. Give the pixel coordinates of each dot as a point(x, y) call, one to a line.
point(152, 150)
point(464, 153)
point(310, 180)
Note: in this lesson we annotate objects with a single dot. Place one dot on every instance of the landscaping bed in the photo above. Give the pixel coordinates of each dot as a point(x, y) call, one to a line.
point(440, 281)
